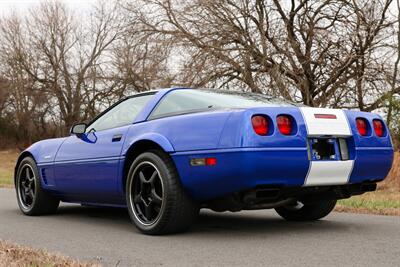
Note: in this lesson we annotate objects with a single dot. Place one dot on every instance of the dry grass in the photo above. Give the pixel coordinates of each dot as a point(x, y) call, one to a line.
point(7, 163)
point(392, 182)
point(382, 202)
point(19, 256)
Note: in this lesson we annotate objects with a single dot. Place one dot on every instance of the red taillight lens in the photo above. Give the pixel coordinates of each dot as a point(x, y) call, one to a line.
point(211, 161)
point(284, 124)
point(378, 127)
point(260, 124)
point(362, 126)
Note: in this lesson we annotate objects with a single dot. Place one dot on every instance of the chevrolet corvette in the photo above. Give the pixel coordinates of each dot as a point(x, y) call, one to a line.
point(166, 154)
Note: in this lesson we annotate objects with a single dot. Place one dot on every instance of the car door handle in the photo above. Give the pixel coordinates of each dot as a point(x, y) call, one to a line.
point(117, 138)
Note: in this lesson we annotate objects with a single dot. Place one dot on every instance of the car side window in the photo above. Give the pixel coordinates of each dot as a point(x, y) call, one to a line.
point(180, 101)
point(185, 101)
point(122, 114)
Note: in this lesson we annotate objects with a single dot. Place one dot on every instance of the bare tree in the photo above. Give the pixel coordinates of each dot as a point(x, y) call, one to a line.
point(4, 94)
point(303, 50)
point(393, 81)
point(57, 69)
point(60, 69)
point(61, 57)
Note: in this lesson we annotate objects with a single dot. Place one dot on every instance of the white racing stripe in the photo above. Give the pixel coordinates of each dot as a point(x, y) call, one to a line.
point(329, 172)
point(327, 122)
point(319, 126)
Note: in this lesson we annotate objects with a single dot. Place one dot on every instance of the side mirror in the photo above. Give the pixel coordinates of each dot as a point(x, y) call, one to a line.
point(78, 129)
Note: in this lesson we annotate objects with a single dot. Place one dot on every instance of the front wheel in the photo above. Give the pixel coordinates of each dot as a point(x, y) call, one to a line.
point(32, 199)
point(156, 200)
point(306, 212)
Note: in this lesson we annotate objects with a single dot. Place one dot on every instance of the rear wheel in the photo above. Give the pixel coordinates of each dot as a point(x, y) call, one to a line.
point(156, 201)
point(32, 199)
point(306, 212)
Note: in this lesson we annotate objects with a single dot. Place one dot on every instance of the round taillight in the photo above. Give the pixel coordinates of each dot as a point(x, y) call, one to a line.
point(260, 124)
point(378, 127)
point(362, 126)
point(284, 124)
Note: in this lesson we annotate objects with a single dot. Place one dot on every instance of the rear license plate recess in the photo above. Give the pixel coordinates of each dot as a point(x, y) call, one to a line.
point(328, 149)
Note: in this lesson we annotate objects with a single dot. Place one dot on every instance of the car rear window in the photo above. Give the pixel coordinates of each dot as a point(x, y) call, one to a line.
point(190, 100)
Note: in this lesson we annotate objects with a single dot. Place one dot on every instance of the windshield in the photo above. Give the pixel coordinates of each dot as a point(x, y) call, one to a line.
point(190, 100)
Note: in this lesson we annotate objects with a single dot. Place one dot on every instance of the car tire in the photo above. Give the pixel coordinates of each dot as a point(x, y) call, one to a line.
point(32, 199)
point(156, 201)
point(306, 212)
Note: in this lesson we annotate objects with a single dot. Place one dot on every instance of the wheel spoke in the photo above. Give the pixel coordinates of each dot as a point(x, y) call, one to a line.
point(155, 197)
point(23, 186)
point(138, 198)
point(27, 173)
point(148, 212)
point(23, 196)
point(152, 178)
point(142, 178)
point(30, 193)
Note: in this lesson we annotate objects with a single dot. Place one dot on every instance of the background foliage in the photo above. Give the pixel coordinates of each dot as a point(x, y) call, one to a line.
point(58, 67)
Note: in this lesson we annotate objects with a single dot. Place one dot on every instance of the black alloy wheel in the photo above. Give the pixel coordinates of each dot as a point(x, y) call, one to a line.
point(147, 193)
point(32, 198)
point(157, 203)
point(26, 186)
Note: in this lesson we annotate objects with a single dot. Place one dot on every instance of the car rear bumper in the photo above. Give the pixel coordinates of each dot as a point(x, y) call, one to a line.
point(243, 169)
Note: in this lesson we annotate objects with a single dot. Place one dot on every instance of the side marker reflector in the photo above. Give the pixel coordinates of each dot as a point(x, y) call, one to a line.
point(203, 161)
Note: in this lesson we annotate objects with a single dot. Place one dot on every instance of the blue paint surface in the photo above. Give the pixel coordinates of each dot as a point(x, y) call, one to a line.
point(90, 169)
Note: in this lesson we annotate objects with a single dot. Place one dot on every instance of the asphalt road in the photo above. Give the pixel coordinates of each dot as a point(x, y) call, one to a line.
point(256, 238)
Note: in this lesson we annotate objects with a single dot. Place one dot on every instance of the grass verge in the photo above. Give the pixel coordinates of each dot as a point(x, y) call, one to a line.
point(7, 163)
point(384, 201)
point(381, 202)
point(18, 256)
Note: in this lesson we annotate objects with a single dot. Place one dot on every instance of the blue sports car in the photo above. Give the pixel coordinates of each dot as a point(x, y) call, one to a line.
point(165, 154)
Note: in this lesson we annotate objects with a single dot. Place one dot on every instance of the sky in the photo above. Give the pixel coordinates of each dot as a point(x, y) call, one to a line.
point(7, 6)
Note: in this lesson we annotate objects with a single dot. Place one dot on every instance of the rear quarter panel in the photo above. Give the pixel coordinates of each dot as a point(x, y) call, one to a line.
point(238, 131)
point(373, 155)
point(196, 131)
point(245, 159)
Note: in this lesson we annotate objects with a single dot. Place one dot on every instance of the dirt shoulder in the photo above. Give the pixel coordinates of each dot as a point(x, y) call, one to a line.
point(18, 256)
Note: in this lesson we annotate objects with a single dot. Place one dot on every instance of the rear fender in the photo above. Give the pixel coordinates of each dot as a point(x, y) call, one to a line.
point(159, 139)
point(373, 155)
point(371, 140)
point(238, 130)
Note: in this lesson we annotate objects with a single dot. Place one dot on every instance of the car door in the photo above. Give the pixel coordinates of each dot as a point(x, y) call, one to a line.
point(87, 167)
